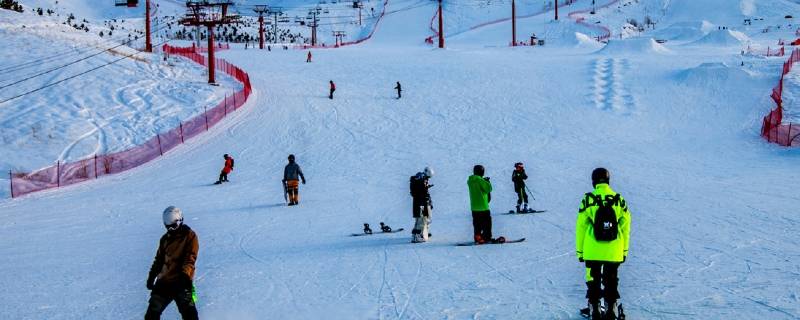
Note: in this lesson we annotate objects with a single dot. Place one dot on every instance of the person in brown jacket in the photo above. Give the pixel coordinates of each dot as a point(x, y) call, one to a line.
point(172, 272)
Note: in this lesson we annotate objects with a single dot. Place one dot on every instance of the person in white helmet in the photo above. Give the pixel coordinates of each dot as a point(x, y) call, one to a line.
point(421, 204)
point(171, 274)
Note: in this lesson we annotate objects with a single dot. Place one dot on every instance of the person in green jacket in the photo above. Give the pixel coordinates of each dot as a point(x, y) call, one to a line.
point(479, 196)
point(604, 249)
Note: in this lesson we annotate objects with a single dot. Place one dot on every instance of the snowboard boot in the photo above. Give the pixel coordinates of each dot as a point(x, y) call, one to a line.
point(367, 230)
point(479, 239)
point(525, 208)
point(218, 182)
point(612, 311)
point(595, 311)
point(385, 228)
point(518, 210)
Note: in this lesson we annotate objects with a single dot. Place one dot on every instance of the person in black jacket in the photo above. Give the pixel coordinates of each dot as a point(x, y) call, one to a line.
point(399, 89)
point(421, 205)
point(519, 177)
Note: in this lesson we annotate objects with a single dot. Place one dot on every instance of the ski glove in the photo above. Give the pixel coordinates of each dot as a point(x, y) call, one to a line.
point(151, 283)
point(580, 259)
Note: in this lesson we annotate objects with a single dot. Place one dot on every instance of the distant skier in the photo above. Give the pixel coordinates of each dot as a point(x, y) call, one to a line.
point(519, 177)
point(171, 274)
point(292, 174)
point(602, 237)
point(308, 58)
point(421, 204)
point(333, 88)
point(399, 90)
point(479, 197)
point(228, 167)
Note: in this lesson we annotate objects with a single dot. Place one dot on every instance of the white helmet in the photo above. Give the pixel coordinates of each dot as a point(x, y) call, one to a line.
point(428, 172)
point(173, 217)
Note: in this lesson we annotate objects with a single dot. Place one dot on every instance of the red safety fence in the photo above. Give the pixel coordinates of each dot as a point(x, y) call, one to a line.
point(64, 174)
point(358, 41)
point(773, 129)
point(219, 47)
point(605, 33)
point(770, 52)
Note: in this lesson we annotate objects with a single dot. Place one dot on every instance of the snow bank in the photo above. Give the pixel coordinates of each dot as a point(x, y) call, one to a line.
point(685, 31)
point(586, 41)
point(716, 73)
point(723, 38)
point(634, 46)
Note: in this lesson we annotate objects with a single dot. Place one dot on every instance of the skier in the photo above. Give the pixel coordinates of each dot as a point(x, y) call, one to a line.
point(602, 237)
point(173, 268)
point(223, 175)
point(399, 90)
point(421, 204)
point(292, 174)
point(519, 177)
point(308, 59)
point(479, 197)
point(333, 88)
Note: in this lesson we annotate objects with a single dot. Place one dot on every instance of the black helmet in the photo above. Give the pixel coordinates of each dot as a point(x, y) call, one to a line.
point(225, 156)
point(291, 157)
point(600, 175)
point(478, 170)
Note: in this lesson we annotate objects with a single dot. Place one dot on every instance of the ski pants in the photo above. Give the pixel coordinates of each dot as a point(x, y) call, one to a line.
point(330, 96)
point(422, 218)
point(605, 273)
point(293, 190)
point(522, 196)
point(160, 299)
point(223, 176)
point(482, 224)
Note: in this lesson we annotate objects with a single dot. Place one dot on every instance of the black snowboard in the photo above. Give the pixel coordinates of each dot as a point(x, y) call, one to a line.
point(526, 211)
point(464, 244)
point(379, 232)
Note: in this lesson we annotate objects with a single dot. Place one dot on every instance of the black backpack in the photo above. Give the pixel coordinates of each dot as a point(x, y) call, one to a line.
point(605, 218)
point(418, 186)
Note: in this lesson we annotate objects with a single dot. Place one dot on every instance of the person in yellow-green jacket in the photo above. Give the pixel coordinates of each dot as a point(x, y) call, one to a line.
point(602, 238)
point(480, 193)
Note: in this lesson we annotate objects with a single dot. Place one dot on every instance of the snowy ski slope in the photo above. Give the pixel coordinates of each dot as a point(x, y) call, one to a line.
point(713, 205)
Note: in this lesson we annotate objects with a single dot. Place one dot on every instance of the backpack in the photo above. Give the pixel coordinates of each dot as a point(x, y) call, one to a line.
point(605, 218)
point(418, 186)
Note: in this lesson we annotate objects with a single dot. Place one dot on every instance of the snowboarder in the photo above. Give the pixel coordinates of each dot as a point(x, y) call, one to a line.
point(479, 197)
point(226, 169)
point(333, 88)
point(519, 177)
point(399, 90)
point(292, 175)
point(171, 274)
point(421, 204)
point(602, 237)
point(308, 58)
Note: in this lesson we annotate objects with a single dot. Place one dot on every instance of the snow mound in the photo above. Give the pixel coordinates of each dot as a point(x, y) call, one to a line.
point(723, 38)
point(634, 46)
point(685, 31)
point(586, 41)
point(714, 73)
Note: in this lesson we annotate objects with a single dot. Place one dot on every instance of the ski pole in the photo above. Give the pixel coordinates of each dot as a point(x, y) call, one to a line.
point(530, 193)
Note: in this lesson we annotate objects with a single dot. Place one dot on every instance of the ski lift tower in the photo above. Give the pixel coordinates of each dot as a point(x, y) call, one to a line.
point(209, 14)
point(261, 9)
point(313, 23)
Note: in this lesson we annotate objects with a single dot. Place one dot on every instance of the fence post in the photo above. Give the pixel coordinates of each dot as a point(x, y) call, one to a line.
point(11, 179)
point(58, 173)
point(205, 113)
point(181, 125)
point(159, 144)
point(234, 100)
point(225, 104)
point(789, 136)
point(95, 166)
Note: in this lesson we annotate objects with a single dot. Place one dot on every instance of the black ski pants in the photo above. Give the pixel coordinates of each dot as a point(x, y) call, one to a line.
point(604, 273)
point(522, 196)
point(482, 224)
point(223, 177)
point(160, 299)
point(330, 95)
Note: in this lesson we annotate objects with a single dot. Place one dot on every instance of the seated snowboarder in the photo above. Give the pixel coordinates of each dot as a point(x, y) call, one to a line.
point(226, 169)
point(421, 205)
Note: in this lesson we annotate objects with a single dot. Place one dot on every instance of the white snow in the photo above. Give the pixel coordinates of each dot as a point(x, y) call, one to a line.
point(714, 208)
point(723, 38)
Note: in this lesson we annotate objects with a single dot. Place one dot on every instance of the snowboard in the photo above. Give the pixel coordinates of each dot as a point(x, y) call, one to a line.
point(379, 232)
point(526, 211)
point(472, 243)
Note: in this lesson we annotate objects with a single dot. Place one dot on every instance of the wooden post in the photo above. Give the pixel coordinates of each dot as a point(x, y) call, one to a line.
point(205, 113)
point(95, 166)
point(159, 144)
point(11, 179)
point(58, 173)
point(225, 104)
point(234, 101)
point(513, 24)
point(789, 136)
point(441, 26)
point(181, 125)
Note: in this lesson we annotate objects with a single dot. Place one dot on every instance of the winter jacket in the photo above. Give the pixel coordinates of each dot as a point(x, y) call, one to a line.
point(398, 87)
point(176, 256)
point(479, 189)
point(589, 249)
point(333, 86)
point(228, 165)
point(519, 176)
point(292, 172)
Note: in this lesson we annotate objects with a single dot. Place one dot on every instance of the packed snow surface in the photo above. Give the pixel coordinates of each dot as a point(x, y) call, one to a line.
point(714, 215)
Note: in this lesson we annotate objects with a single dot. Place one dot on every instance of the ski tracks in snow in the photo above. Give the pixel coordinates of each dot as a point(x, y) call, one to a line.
point(608, 86)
